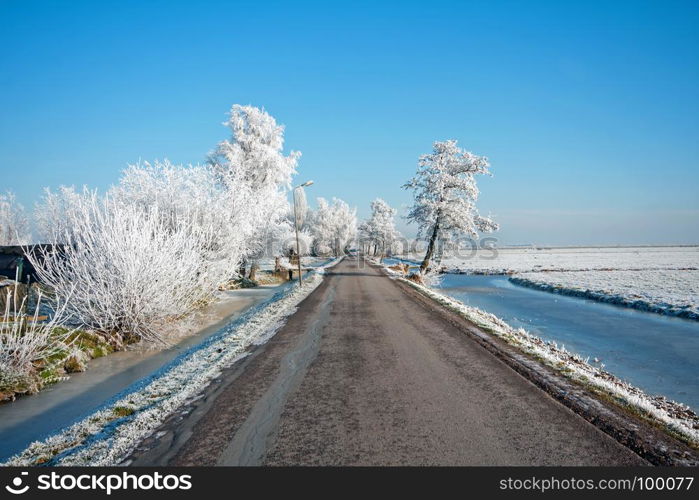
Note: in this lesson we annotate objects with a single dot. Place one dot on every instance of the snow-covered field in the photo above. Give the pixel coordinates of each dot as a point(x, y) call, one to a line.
point(519, 260)
point(671, 292)
point(658, 279)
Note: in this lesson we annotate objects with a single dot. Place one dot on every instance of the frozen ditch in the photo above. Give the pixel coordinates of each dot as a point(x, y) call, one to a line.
point(658, 354)
point(34, 417)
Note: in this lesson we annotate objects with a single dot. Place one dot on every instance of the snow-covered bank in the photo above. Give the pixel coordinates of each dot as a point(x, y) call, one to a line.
point(670, 292)
point(107, 436)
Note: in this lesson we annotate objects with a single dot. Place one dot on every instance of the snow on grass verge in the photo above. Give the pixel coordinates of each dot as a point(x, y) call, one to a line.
point(678, 418)
point(669, 292)
point(107, 436)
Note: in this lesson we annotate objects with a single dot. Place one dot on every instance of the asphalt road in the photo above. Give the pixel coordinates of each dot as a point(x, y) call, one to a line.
point(363, 374)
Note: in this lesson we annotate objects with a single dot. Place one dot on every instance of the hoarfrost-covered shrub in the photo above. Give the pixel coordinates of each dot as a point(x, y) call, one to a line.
point(24, 341)
point(182, 194)
point(123, 270)
point(192, 199)
point(162, 241)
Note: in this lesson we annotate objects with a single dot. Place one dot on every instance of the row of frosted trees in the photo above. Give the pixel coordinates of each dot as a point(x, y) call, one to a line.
point(378, 235)
point(156, 246)
point(159, 244)
point(444, 205)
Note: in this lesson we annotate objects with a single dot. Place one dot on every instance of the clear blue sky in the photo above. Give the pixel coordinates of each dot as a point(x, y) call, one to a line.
point(588, 111)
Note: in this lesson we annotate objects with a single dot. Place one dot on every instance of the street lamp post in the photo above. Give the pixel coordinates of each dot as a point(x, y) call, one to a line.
point(296, 227)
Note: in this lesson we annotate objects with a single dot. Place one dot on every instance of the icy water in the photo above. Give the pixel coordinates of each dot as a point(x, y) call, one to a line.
point(31, 418)
point(659, 354)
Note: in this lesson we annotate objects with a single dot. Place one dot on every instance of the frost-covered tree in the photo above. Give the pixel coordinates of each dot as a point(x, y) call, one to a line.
point(193, 197)
point(320, 223)
point(253, 159)
point(283, 241)
point(445, 194)
point(333, 226)
point(278, 239)
point(55, 212)
point(160, 243)
point(379, 231)
point(154, 248)
point(14, 226)
point(345, 225)
point(179, 192)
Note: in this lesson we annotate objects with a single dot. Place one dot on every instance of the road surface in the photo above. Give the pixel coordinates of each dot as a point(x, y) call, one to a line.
point(363, 374)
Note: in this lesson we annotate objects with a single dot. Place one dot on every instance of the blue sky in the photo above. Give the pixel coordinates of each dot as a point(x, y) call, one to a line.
point(588, 111)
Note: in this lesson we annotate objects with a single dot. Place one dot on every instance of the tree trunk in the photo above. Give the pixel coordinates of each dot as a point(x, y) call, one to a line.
point(430, 249)
point(241, 270)
point(253, 270)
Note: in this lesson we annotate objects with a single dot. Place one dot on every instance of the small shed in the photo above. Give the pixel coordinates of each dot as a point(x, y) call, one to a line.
point(14, 259)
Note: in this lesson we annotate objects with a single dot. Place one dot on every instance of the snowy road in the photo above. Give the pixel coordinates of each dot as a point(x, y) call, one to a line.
point(364, 374)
